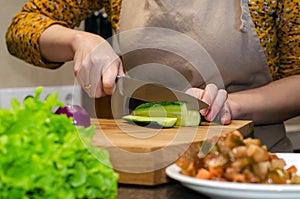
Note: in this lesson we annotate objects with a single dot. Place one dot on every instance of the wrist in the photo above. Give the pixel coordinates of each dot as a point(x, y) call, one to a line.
point(56, 43)
point(84, 40)
point(236, 108)
point(77, 38)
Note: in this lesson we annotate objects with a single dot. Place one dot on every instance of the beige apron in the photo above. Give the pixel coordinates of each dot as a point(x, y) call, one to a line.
point(184, 44)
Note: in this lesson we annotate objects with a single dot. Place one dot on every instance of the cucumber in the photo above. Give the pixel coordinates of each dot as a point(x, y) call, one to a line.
point(176, 109)
point(165, 122)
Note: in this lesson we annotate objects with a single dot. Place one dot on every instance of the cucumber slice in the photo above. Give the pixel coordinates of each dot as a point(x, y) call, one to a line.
point(176, 109)
point(165, 122)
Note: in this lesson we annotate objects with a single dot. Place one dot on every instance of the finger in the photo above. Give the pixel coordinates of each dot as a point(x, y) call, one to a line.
point(96, 90)
point(195, 92)
point(82, 76)
point(78, 60)
point(121, 70)
point(209, 95)
point(109, 77)
point(217, 105)
point(99, 90)
point(226, 116)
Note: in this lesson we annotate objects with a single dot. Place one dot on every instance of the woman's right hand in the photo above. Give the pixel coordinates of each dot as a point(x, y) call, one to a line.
point(96, 65)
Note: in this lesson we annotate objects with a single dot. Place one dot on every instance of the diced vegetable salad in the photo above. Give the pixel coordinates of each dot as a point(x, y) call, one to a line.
point(43, 155)
point(232, 158)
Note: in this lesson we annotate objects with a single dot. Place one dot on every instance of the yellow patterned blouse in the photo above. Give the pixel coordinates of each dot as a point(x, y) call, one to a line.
point(277, 23)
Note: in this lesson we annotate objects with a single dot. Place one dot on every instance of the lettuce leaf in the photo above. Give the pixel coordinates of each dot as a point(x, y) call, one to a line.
point(43, 155)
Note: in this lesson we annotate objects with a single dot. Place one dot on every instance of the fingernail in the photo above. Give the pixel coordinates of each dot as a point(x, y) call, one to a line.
point(204, 112)
point(225, 120)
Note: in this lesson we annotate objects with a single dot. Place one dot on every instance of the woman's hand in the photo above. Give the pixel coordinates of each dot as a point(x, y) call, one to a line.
point(218, 110)
point(96, 65)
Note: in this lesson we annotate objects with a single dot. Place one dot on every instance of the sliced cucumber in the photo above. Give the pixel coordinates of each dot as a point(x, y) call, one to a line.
point(165, 122)
point(176, 109)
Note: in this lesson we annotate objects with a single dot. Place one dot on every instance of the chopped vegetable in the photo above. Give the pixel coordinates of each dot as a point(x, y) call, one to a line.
point(179, 110)
point(165, 122)
point(43, 155)
point(235, 159)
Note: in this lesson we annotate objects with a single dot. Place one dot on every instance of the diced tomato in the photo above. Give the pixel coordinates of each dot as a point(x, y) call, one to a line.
point(292, 169)
point(216, 171)
point(239, 178)
point(203, 174)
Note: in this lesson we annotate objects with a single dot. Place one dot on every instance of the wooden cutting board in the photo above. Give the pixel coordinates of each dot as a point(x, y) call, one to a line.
point(141, 154)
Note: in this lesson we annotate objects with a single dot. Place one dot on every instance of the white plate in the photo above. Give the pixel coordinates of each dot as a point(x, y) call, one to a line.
point(231, 190)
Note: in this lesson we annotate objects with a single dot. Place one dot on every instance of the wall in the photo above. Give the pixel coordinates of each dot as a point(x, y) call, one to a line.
point(16, 73)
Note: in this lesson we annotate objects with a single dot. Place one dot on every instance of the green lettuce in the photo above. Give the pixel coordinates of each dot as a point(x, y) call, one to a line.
point(43, 155)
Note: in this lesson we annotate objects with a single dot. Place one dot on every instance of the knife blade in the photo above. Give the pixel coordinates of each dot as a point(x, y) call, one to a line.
point(153, 92)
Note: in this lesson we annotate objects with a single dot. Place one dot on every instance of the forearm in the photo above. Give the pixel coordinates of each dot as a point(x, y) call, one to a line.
point(61, 44)
point(56, 43)
point(35, 17)
point(274, 102)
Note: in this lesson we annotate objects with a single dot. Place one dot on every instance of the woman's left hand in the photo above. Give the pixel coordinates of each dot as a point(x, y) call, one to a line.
point(218, 109)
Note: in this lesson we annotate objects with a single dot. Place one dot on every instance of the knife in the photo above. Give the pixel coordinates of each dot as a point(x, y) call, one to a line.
point(153, 92)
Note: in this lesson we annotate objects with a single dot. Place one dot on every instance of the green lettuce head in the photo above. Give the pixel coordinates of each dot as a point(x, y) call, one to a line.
point(42, 155)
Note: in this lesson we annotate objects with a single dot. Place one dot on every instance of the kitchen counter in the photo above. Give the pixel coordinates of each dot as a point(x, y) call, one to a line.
point(171, 190)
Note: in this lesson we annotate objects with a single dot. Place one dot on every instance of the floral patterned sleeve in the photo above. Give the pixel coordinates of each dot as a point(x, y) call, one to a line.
point(277, 23)
point(37, 15)
point(288, 34)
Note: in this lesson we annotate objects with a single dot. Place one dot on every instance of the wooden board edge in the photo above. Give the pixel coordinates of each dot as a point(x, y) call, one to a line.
point(248, 129)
